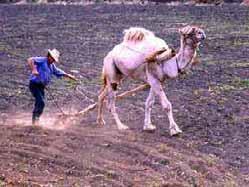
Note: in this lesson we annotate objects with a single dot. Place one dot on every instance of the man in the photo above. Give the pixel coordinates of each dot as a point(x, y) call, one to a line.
point(42, 69)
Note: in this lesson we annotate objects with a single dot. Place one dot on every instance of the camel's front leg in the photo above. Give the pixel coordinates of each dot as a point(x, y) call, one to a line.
point(157, 88)
point(148, 126)
point(111, 100)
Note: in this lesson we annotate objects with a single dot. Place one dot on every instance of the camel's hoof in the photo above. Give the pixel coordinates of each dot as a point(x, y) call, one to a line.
point(123, 127)
point(149, 128)
point(175, 131)
point(101, 122)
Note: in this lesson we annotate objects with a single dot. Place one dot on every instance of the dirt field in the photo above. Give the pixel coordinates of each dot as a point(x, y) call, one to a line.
point(210, 103)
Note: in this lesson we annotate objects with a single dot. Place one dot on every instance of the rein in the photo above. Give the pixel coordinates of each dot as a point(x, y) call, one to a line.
point(178, 67)
point(194, 44)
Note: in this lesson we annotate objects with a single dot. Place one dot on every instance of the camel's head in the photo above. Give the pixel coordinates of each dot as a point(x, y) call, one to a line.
point(191, 36)
point(194, 33)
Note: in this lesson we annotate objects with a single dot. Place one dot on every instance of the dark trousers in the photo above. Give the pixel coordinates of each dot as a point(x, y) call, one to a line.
point(37, 91)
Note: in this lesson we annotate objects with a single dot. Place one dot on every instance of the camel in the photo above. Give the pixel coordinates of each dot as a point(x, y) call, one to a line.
point(135, 58)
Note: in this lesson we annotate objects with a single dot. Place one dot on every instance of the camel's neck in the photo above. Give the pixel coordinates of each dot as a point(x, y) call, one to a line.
point(182, 59)
point(186, 53)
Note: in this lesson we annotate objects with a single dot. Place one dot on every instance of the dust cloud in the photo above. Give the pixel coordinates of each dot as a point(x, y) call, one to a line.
point(55, 121)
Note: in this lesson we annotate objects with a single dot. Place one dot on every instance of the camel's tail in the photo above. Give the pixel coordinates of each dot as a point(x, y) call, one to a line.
point(103, 80)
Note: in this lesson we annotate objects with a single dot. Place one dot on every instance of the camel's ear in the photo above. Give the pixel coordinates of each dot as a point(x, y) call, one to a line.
point(124, 31)
point(186, 30)
point(180, 31)
point(193, 29)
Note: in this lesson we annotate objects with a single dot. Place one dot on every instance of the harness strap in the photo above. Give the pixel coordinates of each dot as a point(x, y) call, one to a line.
point(178, 67)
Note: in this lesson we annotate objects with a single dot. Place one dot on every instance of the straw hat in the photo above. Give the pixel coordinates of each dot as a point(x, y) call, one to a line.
point(55, 54)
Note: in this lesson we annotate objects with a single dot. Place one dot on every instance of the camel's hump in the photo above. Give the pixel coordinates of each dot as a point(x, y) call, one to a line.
point(136, 34)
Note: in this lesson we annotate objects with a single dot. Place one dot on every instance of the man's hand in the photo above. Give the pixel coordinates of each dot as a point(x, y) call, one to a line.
point(71, 77)
point(32, 66)
point(35, 72)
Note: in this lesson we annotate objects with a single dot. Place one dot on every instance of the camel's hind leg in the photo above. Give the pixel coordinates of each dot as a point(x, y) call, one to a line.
point(148, 126)
point(112, 100)
point(108, 73)
point(111, 78)
point(101, 98)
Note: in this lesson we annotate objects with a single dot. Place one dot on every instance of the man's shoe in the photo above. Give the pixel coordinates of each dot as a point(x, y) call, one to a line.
point(35, 121)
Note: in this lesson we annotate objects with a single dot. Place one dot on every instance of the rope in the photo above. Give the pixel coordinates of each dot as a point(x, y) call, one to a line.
point(54, 101)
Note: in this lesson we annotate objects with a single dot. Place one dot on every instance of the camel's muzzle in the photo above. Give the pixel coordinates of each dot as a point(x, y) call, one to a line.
point(203, 36)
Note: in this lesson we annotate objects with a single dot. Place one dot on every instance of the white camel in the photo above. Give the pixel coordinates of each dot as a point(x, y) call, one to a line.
point(133, 58)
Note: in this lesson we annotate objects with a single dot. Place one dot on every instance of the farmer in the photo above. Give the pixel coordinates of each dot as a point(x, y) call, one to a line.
point(42, 70)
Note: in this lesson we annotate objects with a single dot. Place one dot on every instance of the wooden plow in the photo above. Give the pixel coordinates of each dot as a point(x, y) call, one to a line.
point(94, 105)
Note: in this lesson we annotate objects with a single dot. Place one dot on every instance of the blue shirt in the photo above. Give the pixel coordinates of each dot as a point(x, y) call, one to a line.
point(45, 71)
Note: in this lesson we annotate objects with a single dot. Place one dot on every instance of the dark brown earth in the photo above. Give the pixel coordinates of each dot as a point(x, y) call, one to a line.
point(210, 103)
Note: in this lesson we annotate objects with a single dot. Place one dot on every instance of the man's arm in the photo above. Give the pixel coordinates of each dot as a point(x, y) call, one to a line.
point(59, 73)
point(32, 66)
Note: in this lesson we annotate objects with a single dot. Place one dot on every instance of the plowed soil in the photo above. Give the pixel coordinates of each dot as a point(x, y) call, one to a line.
point(210, 103)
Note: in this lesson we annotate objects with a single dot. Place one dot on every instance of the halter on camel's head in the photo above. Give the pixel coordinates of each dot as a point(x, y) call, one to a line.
point(192, 36)
point(194, 33)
